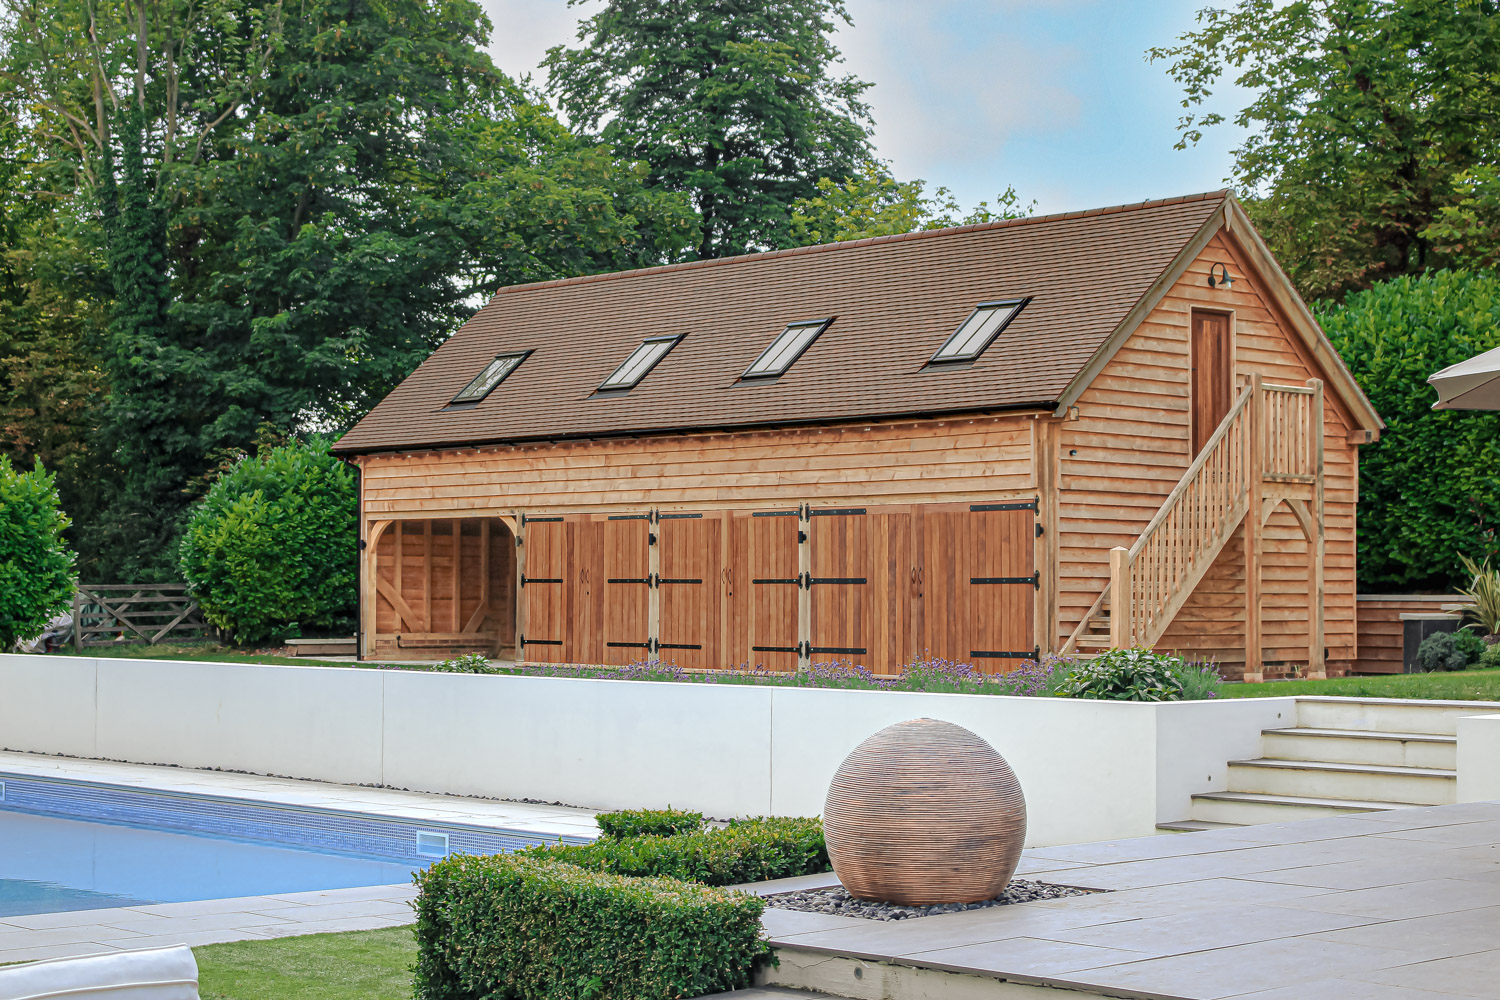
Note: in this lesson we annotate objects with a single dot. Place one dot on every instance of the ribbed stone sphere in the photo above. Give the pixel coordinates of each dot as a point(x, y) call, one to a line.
point(925, 812)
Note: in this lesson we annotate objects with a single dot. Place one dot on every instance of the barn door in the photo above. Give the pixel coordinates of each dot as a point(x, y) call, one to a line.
point(625, 569)
point(691, 588)
point(545, 593)
point(762, 589)
point(940, 582)
point(860, 562)
point(1000, 544)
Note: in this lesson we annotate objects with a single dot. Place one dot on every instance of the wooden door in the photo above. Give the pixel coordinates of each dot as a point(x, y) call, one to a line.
point(691, 586)
point(940, 582)
point(1000, 544)
point(761, 592)
point(859, 581)
point(1212, 385)
point(624, 558)
point(545, 591)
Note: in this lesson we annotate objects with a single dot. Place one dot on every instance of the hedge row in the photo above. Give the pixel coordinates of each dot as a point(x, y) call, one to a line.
point(626, 823)
point(524, 927)
point(753, 850)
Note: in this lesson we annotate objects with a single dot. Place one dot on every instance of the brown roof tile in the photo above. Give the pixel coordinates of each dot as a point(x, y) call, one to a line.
point(894, 298)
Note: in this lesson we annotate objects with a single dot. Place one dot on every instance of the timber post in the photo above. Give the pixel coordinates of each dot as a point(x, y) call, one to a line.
point(1316, 667)
point(1120, 632)
point(1254, 646)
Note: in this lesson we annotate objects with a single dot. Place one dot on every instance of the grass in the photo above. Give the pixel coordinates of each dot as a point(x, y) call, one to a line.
point(1461, 685)
point(210, 651)
point(358, 965)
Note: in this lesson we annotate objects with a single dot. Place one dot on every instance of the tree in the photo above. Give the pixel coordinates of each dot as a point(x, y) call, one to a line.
point(1366, 114)
point(294, 211)
point(876, 204)
point(1429, 489)
point(36, 567)
point(270, 550)
point(1469, 230)
point(729, 101)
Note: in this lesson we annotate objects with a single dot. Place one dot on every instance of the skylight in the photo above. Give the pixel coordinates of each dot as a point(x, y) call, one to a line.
point(976, 333)
point(494, 373)
point(640, 362)
point(785, 349)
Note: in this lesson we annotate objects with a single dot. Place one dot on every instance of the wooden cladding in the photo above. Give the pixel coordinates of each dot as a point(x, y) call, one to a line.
point(442, 586)
point(779, 588)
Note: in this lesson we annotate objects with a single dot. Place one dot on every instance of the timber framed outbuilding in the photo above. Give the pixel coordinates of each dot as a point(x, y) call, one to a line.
point(981, 444)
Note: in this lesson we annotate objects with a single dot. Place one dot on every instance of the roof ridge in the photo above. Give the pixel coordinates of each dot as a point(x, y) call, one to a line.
point(919, 234)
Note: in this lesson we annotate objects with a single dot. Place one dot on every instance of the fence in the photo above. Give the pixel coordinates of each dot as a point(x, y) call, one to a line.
point(104, 614)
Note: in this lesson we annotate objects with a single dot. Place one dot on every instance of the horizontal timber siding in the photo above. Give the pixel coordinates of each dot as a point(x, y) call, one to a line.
point(1380, 629)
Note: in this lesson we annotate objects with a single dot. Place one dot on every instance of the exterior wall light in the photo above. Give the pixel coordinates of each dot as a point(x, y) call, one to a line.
point(1223, 280)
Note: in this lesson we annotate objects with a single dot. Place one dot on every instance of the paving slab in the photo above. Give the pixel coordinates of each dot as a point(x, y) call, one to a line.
point(1347, 908)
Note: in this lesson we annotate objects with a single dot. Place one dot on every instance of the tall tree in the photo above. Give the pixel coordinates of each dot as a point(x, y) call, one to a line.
point(1365, 114)
point(294, 210)
point(730, 101)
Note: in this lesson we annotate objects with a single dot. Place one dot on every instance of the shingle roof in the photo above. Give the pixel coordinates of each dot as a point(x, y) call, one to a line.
point(894, 300)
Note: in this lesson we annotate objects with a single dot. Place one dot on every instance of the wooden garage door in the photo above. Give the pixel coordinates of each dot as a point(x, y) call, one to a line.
point(625, 568)
point(691, 586)
point(975, 583)
point(861, 563)
point(545, 591)
point(762, 590)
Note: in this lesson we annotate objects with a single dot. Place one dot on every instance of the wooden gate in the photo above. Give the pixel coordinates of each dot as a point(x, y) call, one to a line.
point(625, 568)
point(860, 563)
point(691, 583)
point(545, 592)
point(763, 589)
point(1001, 551)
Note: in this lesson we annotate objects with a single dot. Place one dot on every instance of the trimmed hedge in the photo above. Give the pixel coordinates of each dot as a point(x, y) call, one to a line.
point(753, 850)
point(625, 823)
point(523, 927)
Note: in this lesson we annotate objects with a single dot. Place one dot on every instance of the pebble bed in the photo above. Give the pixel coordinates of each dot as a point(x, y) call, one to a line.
point(836, 900)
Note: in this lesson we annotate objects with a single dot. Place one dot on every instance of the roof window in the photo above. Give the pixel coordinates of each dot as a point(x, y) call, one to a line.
point(640, 363)
point(494, 373)
point(978, 331)
point(786, 348)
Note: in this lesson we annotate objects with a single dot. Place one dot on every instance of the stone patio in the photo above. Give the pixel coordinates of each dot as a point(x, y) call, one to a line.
point(1372, 906)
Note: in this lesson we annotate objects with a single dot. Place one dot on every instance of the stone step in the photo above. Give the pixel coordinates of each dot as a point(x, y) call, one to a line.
point(1354, 746)
point(1392, 715)
point(1195, 826)
point(1424, 786)
point(1248, 808)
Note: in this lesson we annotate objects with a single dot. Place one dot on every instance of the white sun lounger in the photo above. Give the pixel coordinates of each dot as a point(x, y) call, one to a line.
point(151, 974)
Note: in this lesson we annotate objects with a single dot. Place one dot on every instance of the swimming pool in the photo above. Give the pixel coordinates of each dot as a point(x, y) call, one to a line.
point(74, 845)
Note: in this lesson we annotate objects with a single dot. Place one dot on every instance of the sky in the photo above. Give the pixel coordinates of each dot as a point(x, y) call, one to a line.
point(1053, 97)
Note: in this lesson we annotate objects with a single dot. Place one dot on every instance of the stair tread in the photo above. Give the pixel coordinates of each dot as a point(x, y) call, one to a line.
point(1363, 805)
point(1479, 707)
point(1361, 734)
point(1197, 825)
point(1390, 770)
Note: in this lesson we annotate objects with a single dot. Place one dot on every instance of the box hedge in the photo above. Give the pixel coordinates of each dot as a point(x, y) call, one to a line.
point(526, 927)
point(751, 850)
point(626, 823)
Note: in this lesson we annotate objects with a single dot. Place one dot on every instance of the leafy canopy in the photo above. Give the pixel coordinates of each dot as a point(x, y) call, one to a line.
point(36, 566)
point(270, 550)
point(731, 102)
point(1428, 489)
point(875, 203)
point(1366, 116)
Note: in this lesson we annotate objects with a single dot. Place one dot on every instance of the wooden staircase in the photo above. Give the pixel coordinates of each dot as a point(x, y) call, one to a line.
point(1267, 450)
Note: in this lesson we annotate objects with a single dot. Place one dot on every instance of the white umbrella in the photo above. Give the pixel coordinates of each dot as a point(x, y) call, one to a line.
point(1469, 385)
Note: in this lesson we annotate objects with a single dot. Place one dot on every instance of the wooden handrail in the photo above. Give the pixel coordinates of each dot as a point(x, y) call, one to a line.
point(1150, 581)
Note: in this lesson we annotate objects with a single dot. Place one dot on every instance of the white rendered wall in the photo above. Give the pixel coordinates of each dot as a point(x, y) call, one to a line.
point(1478, 758)
point(1091, 770)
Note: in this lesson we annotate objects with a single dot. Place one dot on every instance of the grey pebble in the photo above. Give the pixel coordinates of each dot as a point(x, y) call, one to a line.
point(837, 901)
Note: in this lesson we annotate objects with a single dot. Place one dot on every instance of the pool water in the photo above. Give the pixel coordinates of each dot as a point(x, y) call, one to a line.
point(49, 864)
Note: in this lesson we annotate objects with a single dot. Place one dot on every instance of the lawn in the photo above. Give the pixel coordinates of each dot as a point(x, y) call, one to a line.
point(359, 965)
point(1461, 685)
point(209, 651)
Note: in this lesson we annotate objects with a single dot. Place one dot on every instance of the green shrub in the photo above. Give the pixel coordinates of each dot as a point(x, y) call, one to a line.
point(1427, 489)
point(1483, 593)
point(467, 663)
point(625, 823)
point(523, 927)
point(271, 549)
point(753, 850)
point(36, 565)
point(1200, 681)
point(1490, 658)
point(1441, 651)
point(1470, 643)
point(1126, 675)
